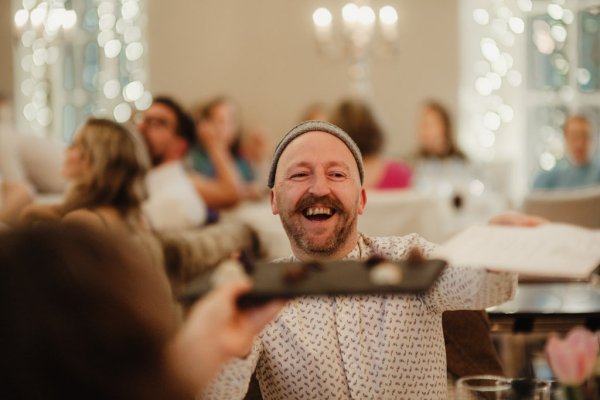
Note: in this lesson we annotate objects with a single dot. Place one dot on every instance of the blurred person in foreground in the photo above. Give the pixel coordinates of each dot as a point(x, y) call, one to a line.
point(350, 347)
point(357, 119)
point(82, 317)
point(579, 168)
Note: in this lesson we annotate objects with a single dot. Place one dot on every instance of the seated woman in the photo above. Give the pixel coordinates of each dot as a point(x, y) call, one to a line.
point(105, 165)
point(436, 139)
point(357, 119)
point(441, 168)
point(223, 114)
point(82, 316)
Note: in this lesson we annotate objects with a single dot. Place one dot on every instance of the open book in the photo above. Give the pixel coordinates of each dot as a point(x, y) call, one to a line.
point(549, 250)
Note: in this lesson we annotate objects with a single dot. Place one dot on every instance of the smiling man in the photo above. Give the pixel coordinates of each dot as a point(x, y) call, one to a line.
point(318, 199)
point(349, 347)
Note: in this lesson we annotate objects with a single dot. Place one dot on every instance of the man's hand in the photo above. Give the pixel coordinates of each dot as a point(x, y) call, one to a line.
point(210, 135)
point(517, 219)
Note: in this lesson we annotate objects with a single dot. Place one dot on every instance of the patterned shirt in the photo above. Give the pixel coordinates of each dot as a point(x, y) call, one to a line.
point(363, 347)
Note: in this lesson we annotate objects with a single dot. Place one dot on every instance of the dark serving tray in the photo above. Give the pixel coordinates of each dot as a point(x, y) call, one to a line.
point(272, 280)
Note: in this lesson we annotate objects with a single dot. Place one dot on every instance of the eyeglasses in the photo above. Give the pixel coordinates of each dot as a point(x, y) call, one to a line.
point(154, 122)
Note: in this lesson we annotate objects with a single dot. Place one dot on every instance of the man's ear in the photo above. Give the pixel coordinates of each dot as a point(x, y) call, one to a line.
point(362, 201)
point(274, 208)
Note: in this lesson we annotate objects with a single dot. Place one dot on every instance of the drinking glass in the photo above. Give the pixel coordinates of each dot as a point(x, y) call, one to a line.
point(491, 387)
point(479, 387)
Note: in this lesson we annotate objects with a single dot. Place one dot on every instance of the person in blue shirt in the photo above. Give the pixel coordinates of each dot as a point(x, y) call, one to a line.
point(224, 114)
point(579, 168)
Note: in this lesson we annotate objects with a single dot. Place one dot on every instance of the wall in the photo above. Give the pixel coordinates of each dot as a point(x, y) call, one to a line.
point(6, 65)
point(263, 54)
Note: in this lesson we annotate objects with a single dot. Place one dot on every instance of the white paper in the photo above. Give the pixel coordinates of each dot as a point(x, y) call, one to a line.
point(549, 250)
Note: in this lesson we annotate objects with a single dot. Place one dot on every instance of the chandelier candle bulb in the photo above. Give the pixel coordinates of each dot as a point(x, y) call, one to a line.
point(322, 20)
point(388, 18)
point(353, 36)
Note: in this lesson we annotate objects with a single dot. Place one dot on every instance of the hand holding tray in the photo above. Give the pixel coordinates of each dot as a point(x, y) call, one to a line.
point(288, 280)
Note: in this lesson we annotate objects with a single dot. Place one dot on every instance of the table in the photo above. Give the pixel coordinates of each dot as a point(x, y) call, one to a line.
point(520, 327)
point(549, 307)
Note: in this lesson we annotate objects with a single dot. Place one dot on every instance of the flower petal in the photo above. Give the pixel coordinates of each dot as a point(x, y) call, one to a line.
point(573, 359)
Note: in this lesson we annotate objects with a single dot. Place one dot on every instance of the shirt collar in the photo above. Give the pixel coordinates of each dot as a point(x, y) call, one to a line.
point(361, 251)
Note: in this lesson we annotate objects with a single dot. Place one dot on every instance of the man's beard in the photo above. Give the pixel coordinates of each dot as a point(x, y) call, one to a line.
point(157, 159)
point(302, 239)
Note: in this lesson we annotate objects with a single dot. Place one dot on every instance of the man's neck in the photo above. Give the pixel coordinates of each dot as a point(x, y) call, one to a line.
point(165, 164)
point(339, 254)
point(579, 163)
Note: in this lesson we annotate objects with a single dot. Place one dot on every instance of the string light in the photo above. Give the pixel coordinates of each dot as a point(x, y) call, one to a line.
point(57, 91)
point(562, 78)
point(494, 73)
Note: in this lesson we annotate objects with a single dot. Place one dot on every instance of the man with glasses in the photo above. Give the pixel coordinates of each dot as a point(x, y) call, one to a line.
point(178, 197)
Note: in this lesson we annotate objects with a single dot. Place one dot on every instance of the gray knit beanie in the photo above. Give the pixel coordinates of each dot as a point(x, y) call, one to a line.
point(315, 126)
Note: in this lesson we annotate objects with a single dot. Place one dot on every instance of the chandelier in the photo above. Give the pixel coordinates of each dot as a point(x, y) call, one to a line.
point(360, 30)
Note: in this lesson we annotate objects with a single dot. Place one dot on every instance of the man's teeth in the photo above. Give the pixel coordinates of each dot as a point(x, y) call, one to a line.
point(319, 211)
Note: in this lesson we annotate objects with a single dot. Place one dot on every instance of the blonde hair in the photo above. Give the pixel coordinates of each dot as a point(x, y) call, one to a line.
point(118, 162)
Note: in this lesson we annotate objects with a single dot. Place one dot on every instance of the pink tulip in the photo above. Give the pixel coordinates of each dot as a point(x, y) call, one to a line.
point(573, 359)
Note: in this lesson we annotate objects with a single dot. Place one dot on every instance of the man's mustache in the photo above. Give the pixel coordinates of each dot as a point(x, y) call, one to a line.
point(325, 201)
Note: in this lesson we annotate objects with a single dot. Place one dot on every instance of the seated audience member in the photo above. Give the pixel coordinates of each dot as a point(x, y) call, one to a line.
point(436, 139)
point(440, 168)
point(357, 119)
point(256, 148)
point(223, 114)
point(169, 133)
point(83, 317)
point(247, 149)
point(343, 347)
point(578, 169)
point(106, 165)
